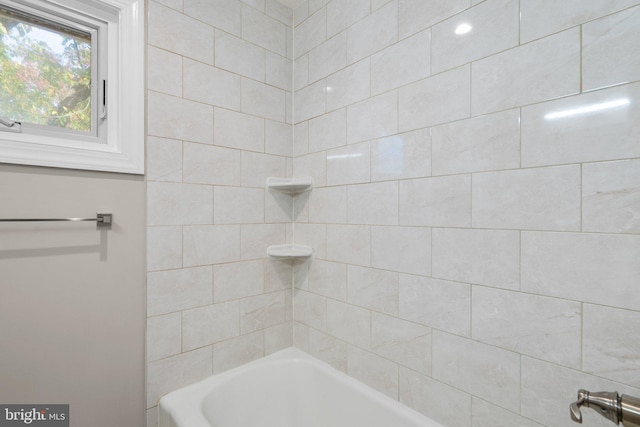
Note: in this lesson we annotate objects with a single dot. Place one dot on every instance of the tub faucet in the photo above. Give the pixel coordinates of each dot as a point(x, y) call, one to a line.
point(614, 407)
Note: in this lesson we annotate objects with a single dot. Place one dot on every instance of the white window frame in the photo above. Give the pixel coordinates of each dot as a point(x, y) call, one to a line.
point(123, 149)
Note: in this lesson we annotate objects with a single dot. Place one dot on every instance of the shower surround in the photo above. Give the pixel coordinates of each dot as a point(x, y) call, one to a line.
point(475, 211)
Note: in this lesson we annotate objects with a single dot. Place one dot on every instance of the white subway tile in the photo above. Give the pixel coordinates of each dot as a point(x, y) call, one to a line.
point(279, 11)
point(256, 4)
point(341, 14)
point(237, 351)
point(406, 343)
point(255, 238)
point(440, 402)
point(201, 244)
point(173, 31)
point(373, 370)
point(529, 199)
point(301, 72)
point(164, 159)
point(610, 50)
point(206, 164)
point(313, 165)
point(328, 131)
point(314, 235)
point(238, 205)
point(489, 142)
point(223, 14)
point(300, 13)
point(373, 289)
point(404, 62)
point(350, 244)
point(328, 205)
point(257, 167)
point(484, 257)
point(262, 311)
point(434, 100)
point(166, 375)
point(611, 344)
point(373, 118)
point(328, 279)
point(171, 203)
point(416, 15)
point(402, 249)
point(164, 336)
point(374, 204)
point(264, 31)
point(237, 280)
point(279, 71)
point(596, 268)
point(278, 138)
point(547, 388)
point(164, 71)
point(611, 197)
point(174, 290)
point(348, 86)
point(310, 101)
point(263, 100)
point(206, 325)
point(436, 303)
point(328, 57)
point(494, 26)
point(239, 56)
point(311, 309)
point(484, 414)
point(278, 337)
point(164, 248)
point(349, 165)
point(238, 130)
point(310, 33)
point(543, 17)
point(211, 85)
point(488, 372)
point(590, 127)
point(436, 202)
point(375, 32)
point(534, 72)
point(328, 349)
point(405, 155)
point(542, 327)
point(178, 118)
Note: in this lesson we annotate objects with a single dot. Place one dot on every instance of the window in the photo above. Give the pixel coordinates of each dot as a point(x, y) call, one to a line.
point(72, 84)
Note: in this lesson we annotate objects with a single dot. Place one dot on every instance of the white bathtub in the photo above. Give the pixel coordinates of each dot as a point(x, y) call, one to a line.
point(286, 389)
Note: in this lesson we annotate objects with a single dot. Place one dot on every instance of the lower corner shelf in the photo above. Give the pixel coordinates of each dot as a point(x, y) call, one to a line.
point(290, 252)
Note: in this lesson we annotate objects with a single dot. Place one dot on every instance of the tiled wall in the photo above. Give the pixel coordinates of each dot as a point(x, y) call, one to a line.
point(219, 95)
point(476, 213)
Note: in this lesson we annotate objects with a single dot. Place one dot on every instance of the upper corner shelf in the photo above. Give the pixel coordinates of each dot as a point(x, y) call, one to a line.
point(292, 186)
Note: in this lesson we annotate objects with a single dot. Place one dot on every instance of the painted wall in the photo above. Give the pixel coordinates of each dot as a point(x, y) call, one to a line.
point(72, 297)
point(477, 207)
point(219, 95)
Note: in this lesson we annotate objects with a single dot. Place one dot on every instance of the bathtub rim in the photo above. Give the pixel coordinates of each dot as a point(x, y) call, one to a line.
point(183, 405)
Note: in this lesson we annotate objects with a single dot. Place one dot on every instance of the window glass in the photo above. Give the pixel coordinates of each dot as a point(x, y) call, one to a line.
point(45, 72)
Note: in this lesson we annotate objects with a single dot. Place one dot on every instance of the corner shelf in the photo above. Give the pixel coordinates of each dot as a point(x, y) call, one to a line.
point(290, 252)
point(291, 186)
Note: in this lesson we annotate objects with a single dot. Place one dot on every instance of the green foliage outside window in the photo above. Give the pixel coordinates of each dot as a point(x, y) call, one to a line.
point(45, 75)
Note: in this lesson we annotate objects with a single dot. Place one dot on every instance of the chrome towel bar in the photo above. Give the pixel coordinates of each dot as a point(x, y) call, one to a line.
point(102, 219)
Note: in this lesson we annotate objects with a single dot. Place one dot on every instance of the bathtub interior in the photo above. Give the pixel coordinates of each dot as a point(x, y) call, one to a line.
point(290, 389)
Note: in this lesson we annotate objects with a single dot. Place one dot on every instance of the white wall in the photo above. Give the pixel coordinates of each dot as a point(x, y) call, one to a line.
point(474, 259)
point(72, 297)
point(219, 94)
